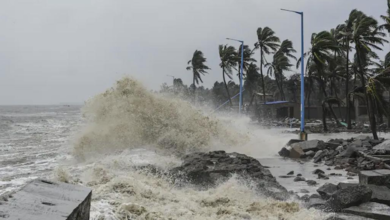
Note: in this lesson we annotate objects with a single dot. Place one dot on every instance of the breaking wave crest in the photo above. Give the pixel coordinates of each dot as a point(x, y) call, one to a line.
point(128, 127)
point(129, 116)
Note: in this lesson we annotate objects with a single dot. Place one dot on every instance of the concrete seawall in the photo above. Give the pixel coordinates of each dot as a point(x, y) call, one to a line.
point(47, 200)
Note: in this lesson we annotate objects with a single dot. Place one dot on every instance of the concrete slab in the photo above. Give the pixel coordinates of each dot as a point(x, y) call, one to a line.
point(375, 177)
point(47, 200)
point(370, 210)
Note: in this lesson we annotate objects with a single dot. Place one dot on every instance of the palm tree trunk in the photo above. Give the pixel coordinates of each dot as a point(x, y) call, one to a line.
point(371, 117)
point(347, 92)
point(261, 73)
point(370, 110)
point(193, 83)
point(277, 84)
point(330, 106)
point(281, 88)
point(227, 90)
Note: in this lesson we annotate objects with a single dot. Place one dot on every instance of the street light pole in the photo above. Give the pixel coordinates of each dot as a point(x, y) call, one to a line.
point(241, 72)
point(303, 134)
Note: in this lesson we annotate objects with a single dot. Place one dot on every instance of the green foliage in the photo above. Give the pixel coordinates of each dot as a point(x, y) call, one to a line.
point(198, 66)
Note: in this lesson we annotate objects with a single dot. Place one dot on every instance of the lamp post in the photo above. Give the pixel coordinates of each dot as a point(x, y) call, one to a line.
point(303, 134)
point(241, 72)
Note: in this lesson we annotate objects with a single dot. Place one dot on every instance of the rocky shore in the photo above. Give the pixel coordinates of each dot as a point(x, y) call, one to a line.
point(363, 157)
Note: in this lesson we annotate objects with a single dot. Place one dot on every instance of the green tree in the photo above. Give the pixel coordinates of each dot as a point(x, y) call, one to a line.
point(267, 42)
point(386, 18)
point(280, 63)
point(228, 57)
point(252, 81)
point(247, 59)
point(198, 67)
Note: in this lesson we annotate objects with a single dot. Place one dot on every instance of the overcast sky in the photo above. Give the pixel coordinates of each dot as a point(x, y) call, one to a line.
point(65, 51)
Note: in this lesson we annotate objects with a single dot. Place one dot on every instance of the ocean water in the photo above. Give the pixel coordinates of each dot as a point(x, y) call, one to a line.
point(99, 144)
point(32, 141)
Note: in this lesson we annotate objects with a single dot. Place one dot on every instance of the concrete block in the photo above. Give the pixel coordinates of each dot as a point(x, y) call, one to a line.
point(47, 200)
point(375, 177)
point(370, 210)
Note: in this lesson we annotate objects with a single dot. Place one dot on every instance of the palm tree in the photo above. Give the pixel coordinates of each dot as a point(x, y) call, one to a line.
point(319, 58)
point(267, 42)
point(228, 56)
point(251, 81)
point(248, 60)
point(198, 67)
point(386, 18)
point(367, 36)
point(279, 64)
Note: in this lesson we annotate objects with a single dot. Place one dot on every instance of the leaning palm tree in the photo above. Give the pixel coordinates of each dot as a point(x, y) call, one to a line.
point(279, 64)
point(198, 67)
point(386, 18)
point(228, 56)
point(247, 59)
point(267, 42)
point(367, 36)
point(251, 81)
point(319, 57)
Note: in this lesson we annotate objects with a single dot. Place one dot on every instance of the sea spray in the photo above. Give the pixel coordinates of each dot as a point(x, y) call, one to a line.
point(128, 127)
point(129, 116)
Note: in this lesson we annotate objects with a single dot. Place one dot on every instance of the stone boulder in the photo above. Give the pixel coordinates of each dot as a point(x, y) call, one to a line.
point(350, 196)
point(209, 169)
point(383, 146)
point(312, 145)
point(296, 152)
point(327, 190)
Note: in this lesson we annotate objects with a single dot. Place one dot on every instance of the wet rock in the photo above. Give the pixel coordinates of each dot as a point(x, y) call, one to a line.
point(311, 182)
point(374, 142)
point(315, 196)
point(316, 203)
point(370, 210)
point(285, 152)
point(317, 171)
point(299, 179)
point(290, 173)
point(208, 169)
point(329, 168)
point(318, 157)
point(335, 174)
point(349, 152)
point(350, 196)
point(286, 176)
point(299, 174)
point(323, 176)
point(351, 174)
point(332, 145)
point(318, 153)
point(310, 153)
point(327, 190)
point(312, 145)
point(357, 143)
point(296, 151)
point(329, 163)
point(383, 146)
point(304, 191)
point(305, 198)
point(340, 149)
point(366, 144)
